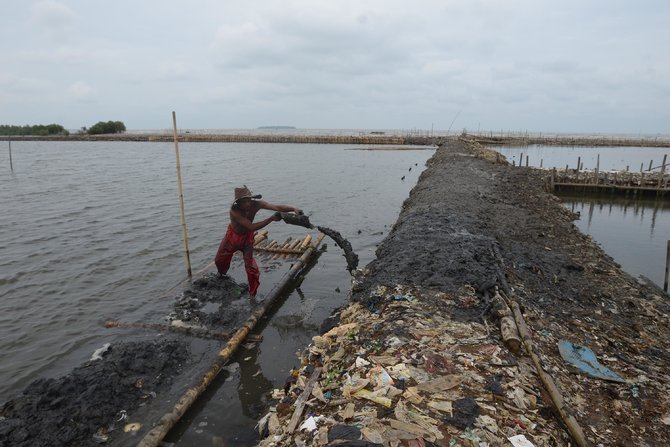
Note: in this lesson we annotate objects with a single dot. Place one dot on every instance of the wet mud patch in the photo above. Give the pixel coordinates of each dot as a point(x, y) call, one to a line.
point(212, 301)
point(89, 405)
point(345, 245)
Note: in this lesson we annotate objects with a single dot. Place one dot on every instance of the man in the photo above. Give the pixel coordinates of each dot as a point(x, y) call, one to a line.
point(240, 234)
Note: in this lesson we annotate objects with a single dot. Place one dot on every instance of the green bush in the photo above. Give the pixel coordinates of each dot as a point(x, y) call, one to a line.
point(109, 127)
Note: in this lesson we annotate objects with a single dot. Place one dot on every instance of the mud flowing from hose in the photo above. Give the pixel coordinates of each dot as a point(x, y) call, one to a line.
point(350, 256)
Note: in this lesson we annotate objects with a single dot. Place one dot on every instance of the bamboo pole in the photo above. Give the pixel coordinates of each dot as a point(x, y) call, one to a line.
point(193, 331)
point(319, 239)
point(163, 426)
point(667, 269)
point(260, 236)
point(181, 196)
point(305, 242)
point(282, 250)
point(660, 176)
point(283, 246)
point(292, 246)
point(11, 165)
point(565, 412)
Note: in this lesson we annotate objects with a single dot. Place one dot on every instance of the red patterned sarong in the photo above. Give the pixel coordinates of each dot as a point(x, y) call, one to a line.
point(233, 242)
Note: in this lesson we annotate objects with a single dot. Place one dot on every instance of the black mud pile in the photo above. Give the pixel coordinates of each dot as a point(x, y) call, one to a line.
point(87, 406)
point(345, 245)
point(213, 301)
point(132, 381)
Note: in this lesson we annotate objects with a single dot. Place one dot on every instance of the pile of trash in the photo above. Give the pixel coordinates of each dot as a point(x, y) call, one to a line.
point(401, 371)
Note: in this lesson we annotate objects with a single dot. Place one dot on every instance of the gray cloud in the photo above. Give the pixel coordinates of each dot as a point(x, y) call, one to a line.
point(516, 64)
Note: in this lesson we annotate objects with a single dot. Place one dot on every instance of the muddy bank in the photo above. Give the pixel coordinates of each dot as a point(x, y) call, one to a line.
point(421, 320)
point(115, 399)
point(87, 406)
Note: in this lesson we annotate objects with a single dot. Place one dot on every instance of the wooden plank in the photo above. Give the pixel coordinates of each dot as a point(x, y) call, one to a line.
point(300, 403)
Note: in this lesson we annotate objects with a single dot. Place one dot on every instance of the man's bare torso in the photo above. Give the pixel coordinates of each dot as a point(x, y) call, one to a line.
point(250, 214)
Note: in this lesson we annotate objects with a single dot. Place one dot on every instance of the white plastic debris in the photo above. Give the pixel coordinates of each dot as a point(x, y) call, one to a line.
point(309, 424)
point(98, 353)
point(361, 362)
point(520, 441)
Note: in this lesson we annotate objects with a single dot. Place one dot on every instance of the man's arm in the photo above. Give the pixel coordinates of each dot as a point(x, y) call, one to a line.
point(281, 208)
point(252, 226)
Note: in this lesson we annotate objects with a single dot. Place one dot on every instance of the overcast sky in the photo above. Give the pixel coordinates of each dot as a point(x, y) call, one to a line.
point(564, 66)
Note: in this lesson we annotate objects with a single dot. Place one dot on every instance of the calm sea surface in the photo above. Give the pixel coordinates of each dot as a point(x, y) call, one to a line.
point(90, 232)
point(633, 232)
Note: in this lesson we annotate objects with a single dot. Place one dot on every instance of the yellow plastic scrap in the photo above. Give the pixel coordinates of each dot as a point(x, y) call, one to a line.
point(353, 385)
point(374, 397)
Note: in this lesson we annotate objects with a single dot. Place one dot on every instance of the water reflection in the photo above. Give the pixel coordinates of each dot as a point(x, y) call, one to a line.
point(633, 232)
point(253, 385)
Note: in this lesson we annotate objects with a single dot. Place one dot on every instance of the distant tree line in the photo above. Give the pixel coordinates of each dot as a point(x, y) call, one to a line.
point(98, 128)
point(39, 129)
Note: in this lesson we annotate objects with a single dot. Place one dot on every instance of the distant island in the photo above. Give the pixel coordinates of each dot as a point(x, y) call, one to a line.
point(276, 127)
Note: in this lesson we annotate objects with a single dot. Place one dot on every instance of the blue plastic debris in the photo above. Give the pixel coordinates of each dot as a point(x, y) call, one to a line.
point(403, 297)
point(584, 359)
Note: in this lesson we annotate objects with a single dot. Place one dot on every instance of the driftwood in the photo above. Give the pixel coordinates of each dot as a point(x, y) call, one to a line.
point(300, 402)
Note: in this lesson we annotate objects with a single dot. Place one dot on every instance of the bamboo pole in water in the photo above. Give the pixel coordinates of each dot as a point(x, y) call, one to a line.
point(283, 246)
point(187, 330)
point(660, 176)
point(293, 246)
point(181, 196)
point(165, 424)
point(667, 269)
point(305, 242)
point(11, 165)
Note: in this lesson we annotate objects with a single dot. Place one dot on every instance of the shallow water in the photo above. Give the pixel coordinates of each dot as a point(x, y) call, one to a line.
point(633, 232)
point(617, 158)
point(90, 232)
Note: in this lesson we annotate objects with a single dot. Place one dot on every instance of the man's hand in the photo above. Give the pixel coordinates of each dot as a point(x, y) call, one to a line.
point(297, 210)
point(276, 216)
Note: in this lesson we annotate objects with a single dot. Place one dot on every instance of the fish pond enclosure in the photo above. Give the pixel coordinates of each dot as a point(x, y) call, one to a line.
point(619, 196)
